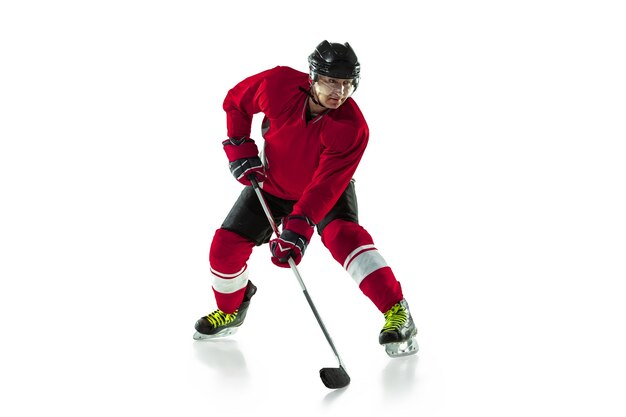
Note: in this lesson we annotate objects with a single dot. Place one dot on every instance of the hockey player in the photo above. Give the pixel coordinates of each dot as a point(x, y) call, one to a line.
point(314, 138)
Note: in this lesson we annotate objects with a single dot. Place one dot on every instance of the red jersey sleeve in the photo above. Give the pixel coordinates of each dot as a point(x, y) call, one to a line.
point(242, 102)
point(252, 96)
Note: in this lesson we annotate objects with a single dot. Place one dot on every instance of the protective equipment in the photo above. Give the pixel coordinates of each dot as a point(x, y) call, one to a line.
point(292, 242)
point(243, 158)
point(334, 60)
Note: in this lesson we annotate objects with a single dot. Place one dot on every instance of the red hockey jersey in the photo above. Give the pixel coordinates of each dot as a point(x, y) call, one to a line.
point(309, 162)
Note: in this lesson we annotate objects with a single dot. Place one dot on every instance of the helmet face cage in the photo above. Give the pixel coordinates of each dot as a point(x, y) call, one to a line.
point(335, 60)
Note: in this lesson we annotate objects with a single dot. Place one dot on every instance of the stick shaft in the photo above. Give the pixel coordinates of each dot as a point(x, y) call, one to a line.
point(294, 268)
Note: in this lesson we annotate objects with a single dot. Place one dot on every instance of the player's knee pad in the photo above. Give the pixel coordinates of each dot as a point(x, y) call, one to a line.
point(229, 252)
point(342, 237)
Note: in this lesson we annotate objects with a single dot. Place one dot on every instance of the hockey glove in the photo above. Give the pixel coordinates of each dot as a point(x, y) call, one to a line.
point(292, 242)
point(243, 158)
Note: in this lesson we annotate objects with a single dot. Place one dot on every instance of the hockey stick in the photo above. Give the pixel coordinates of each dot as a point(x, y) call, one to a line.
point(331, 377)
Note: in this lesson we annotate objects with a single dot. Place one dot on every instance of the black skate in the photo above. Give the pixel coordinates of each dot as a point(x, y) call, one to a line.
point(220, 324)
point(398, 333)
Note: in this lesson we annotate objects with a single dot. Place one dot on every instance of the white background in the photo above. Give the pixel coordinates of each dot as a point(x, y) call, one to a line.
point(493, 185)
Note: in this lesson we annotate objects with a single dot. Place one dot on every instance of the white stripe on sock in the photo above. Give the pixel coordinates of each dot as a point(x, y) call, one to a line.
point(229, 283)
point(355, 253)
point(364, 263)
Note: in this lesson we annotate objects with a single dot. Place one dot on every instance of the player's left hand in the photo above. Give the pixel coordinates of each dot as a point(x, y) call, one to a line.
point(292, 242)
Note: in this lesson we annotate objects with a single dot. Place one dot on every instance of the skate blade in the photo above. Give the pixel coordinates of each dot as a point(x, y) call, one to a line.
point(226, 332)
point(396, 350)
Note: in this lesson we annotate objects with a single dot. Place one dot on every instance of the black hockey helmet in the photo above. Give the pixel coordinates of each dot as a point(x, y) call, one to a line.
point(335, 60)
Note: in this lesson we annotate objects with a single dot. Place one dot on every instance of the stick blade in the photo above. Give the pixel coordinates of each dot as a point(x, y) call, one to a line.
point(334, 378)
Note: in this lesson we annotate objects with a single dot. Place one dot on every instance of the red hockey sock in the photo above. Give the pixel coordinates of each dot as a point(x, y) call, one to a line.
point(382, 287)
point(228, 256)
point(352, 246)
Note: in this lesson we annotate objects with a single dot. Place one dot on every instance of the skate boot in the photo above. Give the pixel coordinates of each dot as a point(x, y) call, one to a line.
point(398, 333)
point(220, 324)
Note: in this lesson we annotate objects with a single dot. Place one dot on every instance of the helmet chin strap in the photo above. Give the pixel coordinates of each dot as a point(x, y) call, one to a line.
point(316, 101)
point(310, 93)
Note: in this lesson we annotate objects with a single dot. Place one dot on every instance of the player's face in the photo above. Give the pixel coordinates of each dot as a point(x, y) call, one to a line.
point(333, 92)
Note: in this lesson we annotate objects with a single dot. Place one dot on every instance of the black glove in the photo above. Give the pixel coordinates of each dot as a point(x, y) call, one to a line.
point(243, 158)
point(292, 242)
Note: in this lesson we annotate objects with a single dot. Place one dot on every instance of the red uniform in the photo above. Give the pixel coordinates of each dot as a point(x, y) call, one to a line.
point(310, 163)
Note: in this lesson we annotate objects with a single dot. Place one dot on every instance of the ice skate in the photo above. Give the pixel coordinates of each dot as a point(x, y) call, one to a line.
point(398, 333)
point(220, 324)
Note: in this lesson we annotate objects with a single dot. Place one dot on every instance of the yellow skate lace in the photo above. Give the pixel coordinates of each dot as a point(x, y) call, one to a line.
point(219, 318)
point(395, 318)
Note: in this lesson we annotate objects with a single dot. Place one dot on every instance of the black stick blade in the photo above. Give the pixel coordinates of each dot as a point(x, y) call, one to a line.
point(334, 378)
